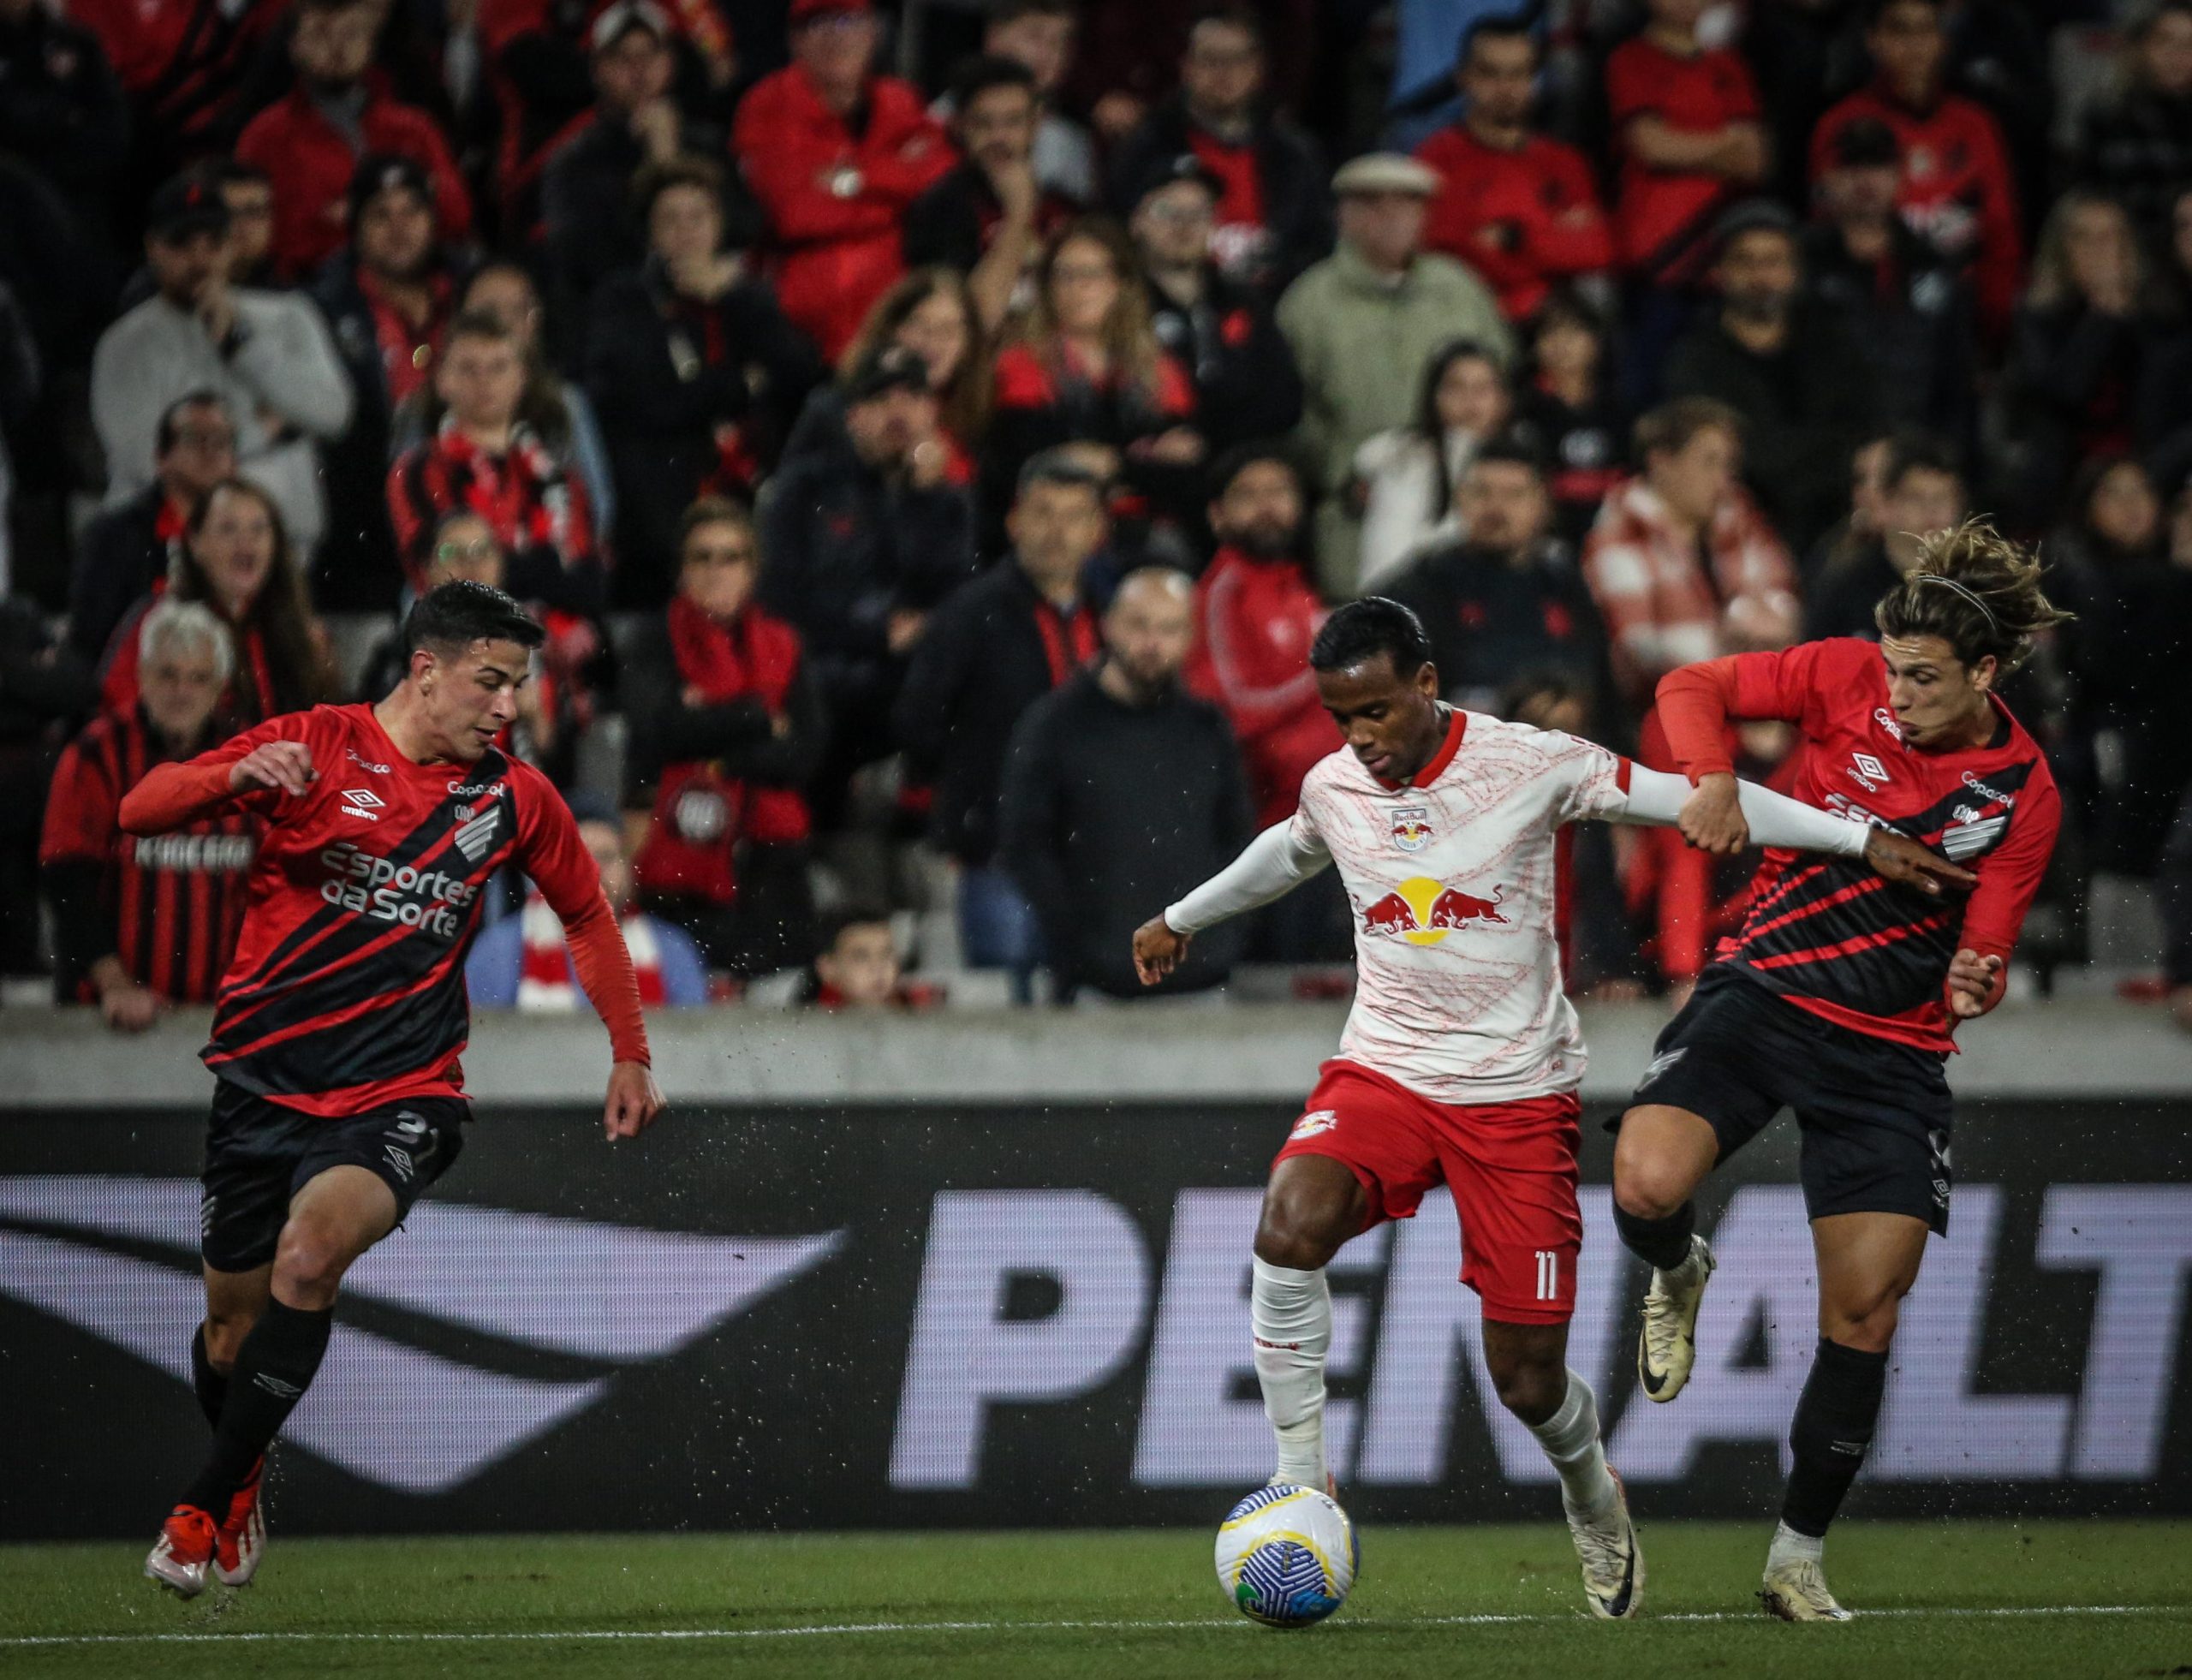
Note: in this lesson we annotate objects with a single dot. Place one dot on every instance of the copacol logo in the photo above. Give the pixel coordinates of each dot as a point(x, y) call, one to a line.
point(608, 1294)
point(1407, 1362)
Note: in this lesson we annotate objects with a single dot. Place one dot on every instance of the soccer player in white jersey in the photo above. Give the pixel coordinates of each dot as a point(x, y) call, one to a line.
point(1461, 1058)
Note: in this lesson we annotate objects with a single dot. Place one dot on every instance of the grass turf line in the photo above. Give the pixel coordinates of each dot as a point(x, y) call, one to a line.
point(1141, 1604)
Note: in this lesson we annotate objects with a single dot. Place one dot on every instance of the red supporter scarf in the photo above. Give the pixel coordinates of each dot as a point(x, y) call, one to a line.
point(520, 492)
point(546, 980)
point(408, 353)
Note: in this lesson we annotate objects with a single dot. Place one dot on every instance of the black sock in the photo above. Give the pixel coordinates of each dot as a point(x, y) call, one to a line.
point(1664, 1243)
point(274, 1368)
point(1833, 1427)
point(212, 1388)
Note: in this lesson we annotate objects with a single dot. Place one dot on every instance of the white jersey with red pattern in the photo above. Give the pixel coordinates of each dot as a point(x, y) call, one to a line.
point(1451, 876)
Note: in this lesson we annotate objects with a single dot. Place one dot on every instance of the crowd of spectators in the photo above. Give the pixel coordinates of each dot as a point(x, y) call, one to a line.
point(930, 456)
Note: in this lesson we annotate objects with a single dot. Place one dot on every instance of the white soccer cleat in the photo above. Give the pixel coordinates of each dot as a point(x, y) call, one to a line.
point(1796, 1592)
point(1666, 1347)
point(1612, 1559)
point(183, 1553)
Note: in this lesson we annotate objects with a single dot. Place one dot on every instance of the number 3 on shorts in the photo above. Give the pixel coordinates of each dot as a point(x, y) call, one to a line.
point(1548, 1274)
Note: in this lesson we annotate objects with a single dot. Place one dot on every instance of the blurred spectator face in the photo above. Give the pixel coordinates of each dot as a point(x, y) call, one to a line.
point(718, 565)
point(465, 549)
point(1084, 288)
point(2101, 248)
point(202, 454)
point(938, 332)
point(506, 292)
point(251, 224)
point(396, 234)
point(331, 48)
point(1472, 398)
point(2165, 54)
point(1259, 512)
point(183, 268)
point(862, 966)
point(180, 684)
point(1909, 47)
point(235, 548)
point(998, 127)
point(684, 225)
point(1861, 192)
point(1385, 229)
point(606, 842)
point(1758, 275)
point(1171, 226)
point(633, 70)
point(1923, 499)
point(1502, 506)
point(1564, 348)
point(885, 428)
point(1043, 41)
point(1868, 486)
point(1682, 15)
point(482, 380)
point(2123, 510)
point(1054, 528)
point(836, 49)
point(1695, 479)
point(1150, 627)
point(1221, 72)
point(1554, 705)
point(1498, 78)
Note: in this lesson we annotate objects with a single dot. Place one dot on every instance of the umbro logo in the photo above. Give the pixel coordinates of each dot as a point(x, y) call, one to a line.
point(1867, 772)
point(1661, 1063)
point(501, 1274)
point(362, 802)
point(276, 1386)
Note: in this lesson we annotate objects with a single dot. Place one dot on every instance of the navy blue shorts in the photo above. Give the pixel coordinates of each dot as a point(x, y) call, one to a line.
point(259, 1154)
point(1875, 1114)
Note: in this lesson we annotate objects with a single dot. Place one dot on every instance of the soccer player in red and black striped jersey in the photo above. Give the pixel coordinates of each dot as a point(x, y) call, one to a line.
point(339, 1023)
point(1840, 995)
point(138, 924)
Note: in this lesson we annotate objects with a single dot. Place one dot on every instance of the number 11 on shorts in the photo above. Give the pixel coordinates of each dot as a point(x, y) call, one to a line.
point(1548, 1274)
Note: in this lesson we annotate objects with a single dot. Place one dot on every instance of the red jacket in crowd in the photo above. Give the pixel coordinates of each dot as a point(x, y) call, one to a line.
point(1958, 191)
point(1540, 203)
point(311, 161)
point(1660, 214)
point(834, 199)
point(179, 60)
point(1255, 620)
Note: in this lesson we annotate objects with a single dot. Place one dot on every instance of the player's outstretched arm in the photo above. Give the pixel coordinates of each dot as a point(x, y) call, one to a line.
point(1270, 867)
point(172, 795)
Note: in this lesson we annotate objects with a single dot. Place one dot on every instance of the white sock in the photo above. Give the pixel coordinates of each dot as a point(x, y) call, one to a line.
point(1789, 1545)
point(1291, 1313)
point(1570, 1439)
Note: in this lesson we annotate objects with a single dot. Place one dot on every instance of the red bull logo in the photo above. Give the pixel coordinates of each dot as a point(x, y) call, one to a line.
point(1423, 911)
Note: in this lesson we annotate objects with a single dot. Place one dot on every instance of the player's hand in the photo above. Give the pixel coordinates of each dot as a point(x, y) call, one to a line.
point(127, 1007)
point(634, 1100)
point(1157, 949)
point(1712, 818)
point(1912, 863)
point(283, 765)
point(1971, 983)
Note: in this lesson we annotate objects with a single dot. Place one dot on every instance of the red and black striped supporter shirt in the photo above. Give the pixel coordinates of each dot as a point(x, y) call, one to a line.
point(347, 990)
point(168, 905)
point(1827, 934)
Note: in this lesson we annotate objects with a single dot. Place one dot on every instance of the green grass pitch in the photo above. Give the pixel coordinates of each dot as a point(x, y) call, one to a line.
point(2064, 1600)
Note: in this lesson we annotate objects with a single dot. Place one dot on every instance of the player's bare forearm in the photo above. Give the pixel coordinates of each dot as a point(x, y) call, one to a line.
point(1157, 949)
point(632, 1102)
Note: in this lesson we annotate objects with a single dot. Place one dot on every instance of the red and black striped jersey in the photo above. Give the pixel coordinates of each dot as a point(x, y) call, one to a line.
point(168, 905)
point(1827, 934)
point(347, 990)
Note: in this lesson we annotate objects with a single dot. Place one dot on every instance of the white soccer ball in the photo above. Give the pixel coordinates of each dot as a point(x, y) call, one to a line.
point(1286, 1556)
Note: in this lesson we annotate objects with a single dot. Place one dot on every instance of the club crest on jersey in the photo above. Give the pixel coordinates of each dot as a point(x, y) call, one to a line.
point(476, 838)
point(1412, 828)
point(1423, 911)
point(1867, 772)
point(362, 802)
point(1315, 1121)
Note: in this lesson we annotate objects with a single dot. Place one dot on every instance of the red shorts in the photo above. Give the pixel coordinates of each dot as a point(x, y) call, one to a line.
point(1511, 1167)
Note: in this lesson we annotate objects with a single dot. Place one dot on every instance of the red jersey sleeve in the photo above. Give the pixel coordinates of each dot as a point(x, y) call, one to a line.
point(172, 795)
point(2009, 878)
point(552, 852)
point(1797, 685)
point(81, 807)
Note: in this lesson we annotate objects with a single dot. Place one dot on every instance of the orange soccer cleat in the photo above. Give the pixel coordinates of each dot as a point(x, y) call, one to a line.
point(180, 1557)
point(241, 1540)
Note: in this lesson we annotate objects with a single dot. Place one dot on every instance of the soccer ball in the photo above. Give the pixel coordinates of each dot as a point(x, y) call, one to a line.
point(1286, 1556)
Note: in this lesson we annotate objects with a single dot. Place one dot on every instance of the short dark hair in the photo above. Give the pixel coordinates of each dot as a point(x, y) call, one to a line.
point(989, 70)
point(1913, 452)
point(1011, 11)
point(1510, 448)
point(715, 510)
point(229, 172)
point(1360, 631)
point(481, 324)
point(1242, 456)
point(1880, 9)
point(450, 616)
point(1059, 467)
point(1232, 14)
point(1500, 26)
point(857, 913)
point(171, 416)
point(687, 168)
point(1671, 426)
